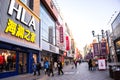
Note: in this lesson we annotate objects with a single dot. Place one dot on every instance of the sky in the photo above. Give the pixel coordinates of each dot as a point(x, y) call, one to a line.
point(83, 16)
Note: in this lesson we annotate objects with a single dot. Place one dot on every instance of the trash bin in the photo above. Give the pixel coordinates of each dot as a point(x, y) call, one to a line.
point(111, 68)
point(110, 71)
point(116, 74)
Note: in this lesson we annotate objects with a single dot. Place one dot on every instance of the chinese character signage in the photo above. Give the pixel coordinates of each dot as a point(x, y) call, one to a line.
point(19, 31)
point(61, 35)
point(67, 43)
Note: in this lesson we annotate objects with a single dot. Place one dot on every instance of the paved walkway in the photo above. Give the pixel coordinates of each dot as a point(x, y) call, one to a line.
point(31, 77)
point(81, 73)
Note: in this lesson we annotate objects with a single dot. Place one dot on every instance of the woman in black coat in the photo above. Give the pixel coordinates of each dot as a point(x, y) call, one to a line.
point(59, 65)
point(90, 64)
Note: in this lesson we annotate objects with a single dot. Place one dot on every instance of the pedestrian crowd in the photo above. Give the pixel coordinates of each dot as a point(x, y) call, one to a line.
point(92, 64)
point(48, 67)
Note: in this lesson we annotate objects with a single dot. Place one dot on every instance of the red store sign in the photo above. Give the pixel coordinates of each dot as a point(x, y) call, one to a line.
point(67, 43)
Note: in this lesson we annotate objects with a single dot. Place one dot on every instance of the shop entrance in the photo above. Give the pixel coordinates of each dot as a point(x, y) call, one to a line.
point(22, 63)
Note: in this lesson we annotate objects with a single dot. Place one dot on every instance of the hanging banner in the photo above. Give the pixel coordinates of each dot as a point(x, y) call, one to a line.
point(91, 55)
point(103, 48)
point(67, 43)
point(96, 49)
point(61, 35)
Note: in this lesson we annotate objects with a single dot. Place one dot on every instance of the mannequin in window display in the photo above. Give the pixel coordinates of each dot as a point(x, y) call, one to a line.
point(13, 60)
point(2, 62)
point(20, 67)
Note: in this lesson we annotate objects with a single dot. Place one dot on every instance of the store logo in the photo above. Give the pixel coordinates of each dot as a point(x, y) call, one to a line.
point(16, 29)
point(21, 14)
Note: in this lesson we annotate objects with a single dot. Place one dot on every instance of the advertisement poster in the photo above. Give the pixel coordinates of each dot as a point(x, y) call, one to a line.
point(101, 64)
point(103, 48)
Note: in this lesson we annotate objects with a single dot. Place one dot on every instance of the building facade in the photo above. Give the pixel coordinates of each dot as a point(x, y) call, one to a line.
point(20, 37)
point(116, 36)
point(48, 14)
point(30, 31)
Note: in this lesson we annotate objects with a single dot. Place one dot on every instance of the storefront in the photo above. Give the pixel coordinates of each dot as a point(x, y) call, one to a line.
point(117, 48)
point(49, 51)
point(48, 27)
point(116, 36)
point(19, 38)
point(16, 60)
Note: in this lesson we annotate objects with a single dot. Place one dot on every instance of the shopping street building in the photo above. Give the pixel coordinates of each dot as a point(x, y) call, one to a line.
point(116, 36)
point(30, 31)
point(20, 37)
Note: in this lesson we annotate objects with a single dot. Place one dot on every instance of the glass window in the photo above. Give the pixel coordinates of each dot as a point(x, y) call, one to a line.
point(24, 1)
point(47, 25)
point(116, 21)
point(28, 3)
point(7, 60)
point(118, 44)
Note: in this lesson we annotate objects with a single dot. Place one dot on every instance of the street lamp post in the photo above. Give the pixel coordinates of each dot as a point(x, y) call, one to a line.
point(109, 59)
point(98, 37)
point(103, 34)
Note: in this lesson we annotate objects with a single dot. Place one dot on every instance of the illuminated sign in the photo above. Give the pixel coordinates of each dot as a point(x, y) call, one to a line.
point(19, 31)
point(16, 29)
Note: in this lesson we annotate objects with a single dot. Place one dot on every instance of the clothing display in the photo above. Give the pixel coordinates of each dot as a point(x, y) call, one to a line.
point(2, 59)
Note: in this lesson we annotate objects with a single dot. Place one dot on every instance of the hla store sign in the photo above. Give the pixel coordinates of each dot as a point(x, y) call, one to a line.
point(16, 29)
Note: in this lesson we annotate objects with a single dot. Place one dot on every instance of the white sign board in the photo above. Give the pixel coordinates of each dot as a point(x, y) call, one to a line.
point(101, 64)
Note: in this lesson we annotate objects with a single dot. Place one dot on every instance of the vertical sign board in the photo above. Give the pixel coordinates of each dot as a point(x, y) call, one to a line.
point(96, 49)
point(101, 64)
point(103, 48)
point(67, 43)
point(61, 35)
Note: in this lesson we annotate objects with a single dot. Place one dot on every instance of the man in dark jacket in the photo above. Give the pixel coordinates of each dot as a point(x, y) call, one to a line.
point(59, 65)
point(51, 68)
point(90, 64)
point(38, 67)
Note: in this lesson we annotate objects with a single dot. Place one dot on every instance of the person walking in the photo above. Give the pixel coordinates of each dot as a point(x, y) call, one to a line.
point(46, 67)
point(42, 63)
point(93, 65)
point(34, 68)
point(38, 67)
point(55, 65)
point(75, 62)
point(90, 64)
point(51, 68)
point(59, 65)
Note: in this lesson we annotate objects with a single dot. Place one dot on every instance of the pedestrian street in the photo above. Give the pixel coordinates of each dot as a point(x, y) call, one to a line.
point(81, 73)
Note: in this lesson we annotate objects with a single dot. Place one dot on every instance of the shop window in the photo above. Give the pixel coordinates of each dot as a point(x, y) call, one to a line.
point(118, 44)
point(31, 4)
point(7, 60)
